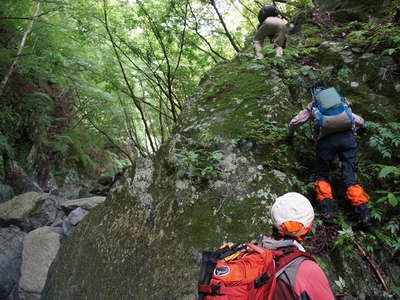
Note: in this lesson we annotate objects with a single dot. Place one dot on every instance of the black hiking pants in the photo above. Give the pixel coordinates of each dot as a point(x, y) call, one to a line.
point(344, 145)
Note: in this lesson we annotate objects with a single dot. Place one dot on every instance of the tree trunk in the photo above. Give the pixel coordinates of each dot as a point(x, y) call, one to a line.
point(20, 48)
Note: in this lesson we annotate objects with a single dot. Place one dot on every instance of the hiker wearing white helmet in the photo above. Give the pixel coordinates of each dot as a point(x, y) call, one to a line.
point(292, 216)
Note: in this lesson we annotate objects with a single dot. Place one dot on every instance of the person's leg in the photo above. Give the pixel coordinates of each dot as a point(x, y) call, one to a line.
point(258, 41)
point(325, 153)
point(354, 192)
point(280, 40)
point(280, 36)
point(258, 45)
point(347, 156)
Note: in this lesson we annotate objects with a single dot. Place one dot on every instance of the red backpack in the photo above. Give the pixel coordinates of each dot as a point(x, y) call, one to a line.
point(243, 271)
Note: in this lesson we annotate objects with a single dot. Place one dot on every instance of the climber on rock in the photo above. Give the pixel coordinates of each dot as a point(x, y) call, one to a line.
point(335, 125)
point(272, 27)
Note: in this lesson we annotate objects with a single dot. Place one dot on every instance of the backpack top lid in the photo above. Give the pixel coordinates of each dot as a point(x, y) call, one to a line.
point(328, 99)
point(267, 11)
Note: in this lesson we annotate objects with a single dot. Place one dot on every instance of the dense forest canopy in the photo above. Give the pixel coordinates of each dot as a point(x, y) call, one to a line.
point(106, 79)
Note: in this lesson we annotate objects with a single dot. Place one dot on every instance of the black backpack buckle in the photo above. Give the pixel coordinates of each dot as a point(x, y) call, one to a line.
point(215, 290)
point(261, 280)
point(287, 250)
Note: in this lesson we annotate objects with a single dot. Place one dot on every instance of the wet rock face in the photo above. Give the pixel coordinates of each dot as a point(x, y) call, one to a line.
point(10, 261)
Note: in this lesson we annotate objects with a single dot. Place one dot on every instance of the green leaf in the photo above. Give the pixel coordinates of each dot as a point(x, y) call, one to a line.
point(393, 200)
point(389, 51)
point(385, 171)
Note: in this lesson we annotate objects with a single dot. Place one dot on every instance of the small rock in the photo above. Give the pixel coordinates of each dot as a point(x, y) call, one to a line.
point(77, 215)
point(67, 227)
point(85, 203)
point(280, 175)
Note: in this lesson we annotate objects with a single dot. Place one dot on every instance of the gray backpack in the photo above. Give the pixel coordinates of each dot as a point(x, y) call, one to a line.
point(331, 112)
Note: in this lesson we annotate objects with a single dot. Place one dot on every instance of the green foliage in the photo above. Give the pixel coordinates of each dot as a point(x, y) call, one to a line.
point(128, 80)
point(385, 142)
point(388, 170)
point(385, 139)
point(383, 38)
point(201, 163)
point(263, 132)
point(341, 284)
point(344, 238)
point(390, 198)
point(5, 146)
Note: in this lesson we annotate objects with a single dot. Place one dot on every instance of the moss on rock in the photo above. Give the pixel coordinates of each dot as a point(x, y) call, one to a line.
point(215, 179)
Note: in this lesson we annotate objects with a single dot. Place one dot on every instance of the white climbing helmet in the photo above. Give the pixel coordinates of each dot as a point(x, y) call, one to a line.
point(292, 214)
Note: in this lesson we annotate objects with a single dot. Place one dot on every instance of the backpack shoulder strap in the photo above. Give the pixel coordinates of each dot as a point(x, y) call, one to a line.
point(288, 261)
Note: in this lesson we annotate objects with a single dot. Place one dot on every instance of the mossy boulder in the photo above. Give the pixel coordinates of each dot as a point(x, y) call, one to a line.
point(216, 178)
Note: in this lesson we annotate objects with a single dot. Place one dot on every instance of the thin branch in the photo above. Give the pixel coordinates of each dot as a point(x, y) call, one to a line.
point(227, 33)
point(159, 38)
point(130, 127)
point(243, 15)
point(109, 139)
point(196, 29)
point(132, 94)
point(205, 51)
point(30, 18)
point(86, 116)
point(182, 40)
point(247, 8)
point(373, 265)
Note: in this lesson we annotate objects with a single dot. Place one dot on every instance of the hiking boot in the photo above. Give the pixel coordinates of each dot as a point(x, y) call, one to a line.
point(327, 208)
point(363, 213)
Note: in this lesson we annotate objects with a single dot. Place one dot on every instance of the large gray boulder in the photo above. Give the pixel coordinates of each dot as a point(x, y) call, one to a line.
point(10, 261)
point(29, 211)
point(40, 249)
point(85, 203)
point(6, 193)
